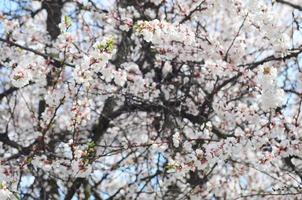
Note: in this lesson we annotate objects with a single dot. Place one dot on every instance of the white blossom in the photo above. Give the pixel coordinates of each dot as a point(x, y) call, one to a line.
point(20, 77)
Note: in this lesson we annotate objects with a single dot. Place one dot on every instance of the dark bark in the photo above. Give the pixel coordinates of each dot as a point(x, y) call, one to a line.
point(54, 14)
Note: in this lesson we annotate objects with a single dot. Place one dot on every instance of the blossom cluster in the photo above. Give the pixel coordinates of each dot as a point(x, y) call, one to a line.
point(271, 95)
point(151, 100)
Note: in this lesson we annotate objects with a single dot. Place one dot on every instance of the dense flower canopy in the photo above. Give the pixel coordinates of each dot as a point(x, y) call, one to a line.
point(151, 99)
